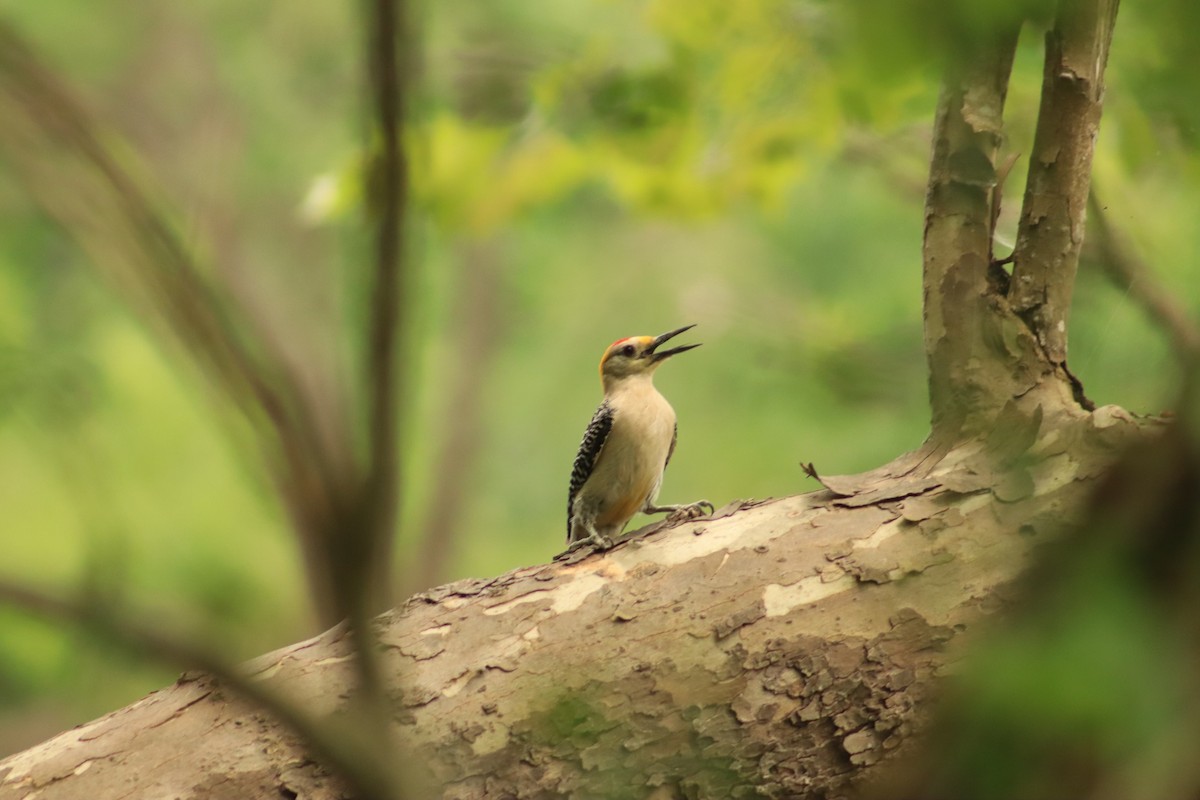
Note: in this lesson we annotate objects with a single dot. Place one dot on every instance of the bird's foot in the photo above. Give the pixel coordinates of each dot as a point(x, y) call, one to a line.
point(596, 541)
point(691, 511)
point(686, 513)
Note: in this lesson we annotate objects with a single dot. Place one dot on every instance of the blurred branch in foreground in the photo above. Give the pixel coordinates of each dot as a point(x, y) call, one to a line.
point(343, 508)
point(359, 548)
point(92, 188)
point(1130, 274)
point(370, 542)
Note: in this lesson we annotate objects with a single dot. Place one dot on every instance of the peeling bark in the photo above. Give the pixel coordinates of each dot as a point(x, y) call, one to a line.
point(783, 648)
point(980, 356)
point(1054, 213)
point(995, 343)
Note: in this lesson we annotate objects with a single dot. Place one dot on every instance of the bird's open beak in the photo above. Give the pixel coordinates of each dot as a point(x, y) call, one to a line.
point(656, 356)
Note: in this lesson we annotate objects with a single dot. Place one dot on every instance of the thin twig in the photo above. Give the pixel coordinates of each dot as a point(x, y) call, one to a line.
point(386, 324)
point(1133, 275)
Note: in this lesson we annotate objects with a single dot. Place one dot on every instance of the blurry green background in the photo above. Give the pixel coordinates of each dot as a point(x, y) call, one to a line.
point(583, 170)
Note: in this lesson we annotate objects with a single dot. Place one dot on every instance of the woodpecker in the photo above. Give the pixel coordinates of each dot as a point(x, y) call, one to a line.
point(627, 445)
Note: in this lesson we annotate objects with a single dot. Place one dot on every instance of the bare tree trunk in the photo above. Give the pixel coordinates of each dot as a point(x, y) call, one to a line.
point(1060, 170)
point(966, 381)
point(985, 362)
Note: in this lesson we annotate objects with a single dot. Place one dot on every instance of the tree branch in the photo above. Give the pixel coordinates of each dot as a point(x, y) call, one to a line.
point(783, 648)
point(370, 540)
point(957, 251)
point(1132, 275)
point(1051, 229)
point(359, 548)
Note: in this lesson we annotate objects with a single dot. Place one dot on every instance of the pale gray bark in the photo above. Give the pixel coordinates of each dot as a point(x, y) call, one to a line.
point(1060, 170)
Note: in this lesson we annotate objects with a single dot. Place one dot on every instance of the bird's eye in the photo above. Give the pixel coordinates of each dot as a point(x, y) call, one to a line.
point(627, 350)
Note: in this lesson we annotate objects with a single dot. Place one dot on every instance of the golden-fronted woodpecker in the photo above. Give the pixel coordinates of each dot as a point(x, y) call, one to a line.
point(627, 445)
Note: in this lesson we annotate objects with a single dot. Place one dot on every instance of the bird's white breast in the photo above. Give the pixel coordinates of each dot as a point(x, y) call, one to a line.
point(629, 471)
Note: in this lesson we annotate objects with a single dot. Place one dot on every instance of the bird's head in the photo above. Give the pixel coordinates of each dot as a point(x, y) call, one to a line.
point(638, 355)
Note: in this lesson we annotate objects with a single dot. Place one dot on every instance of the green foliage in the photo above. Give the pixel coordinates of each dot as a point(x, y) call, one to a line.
point(897, 39)
point(1096, 684)
point(1150, 67)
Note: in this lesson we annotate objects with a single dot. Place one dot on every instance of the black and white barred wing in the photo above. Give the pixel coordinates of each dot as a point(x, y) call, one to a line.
point(674, 439)
point(589, 453)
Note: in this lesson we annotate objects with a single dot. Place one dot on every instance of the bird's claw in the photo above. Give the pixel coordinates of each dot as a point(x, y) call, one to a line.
point(596, 541)
point(691, 511)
